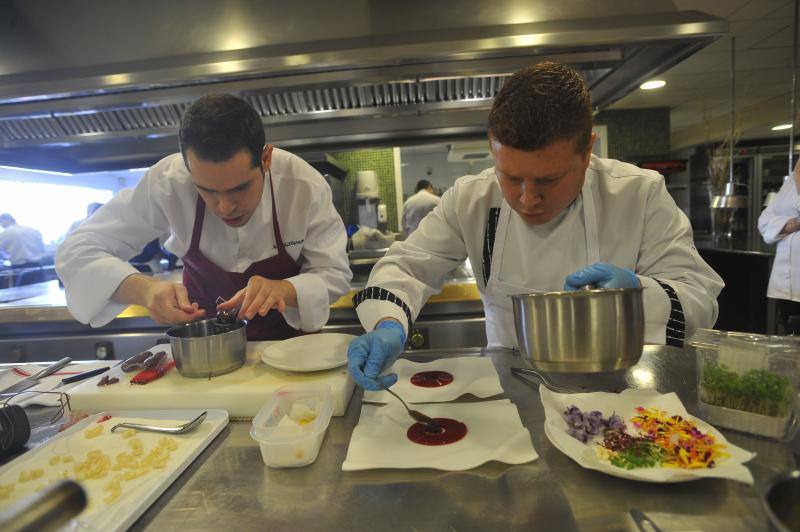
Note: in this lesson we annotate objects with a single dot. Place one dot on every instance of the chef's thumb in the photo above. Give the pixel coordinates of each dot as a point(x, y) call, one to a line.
point(387, 380)
point(182, 296)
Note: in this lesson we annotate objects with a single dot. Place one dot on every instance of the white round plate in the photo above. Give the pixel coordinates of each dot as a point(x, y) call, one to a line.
point(312, 352)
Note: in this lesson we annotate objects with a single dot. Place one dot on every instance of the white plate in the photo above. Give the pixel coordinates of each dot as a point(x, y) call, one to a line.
point(625, 404)
point(312, 352)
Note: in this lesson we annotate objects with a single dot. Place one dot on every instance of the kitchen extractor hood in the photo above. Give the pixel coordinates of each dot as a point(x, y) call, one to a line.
point(102, 85)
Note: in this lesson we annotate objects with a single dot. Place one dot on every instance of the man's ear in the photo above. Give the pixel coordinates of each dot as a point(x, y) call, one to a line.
point(266, 157)
point(588, 155)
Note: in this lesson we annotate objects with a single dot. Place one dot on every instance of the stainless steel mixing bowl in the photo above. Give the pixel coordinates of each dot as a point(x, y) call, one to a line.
point(780, 498)
point(585, 330)
point(207, 348)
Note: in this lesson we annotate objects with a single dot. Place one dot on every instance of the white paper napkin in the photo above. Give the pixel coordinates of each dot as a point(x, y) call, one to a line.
point(494, 432)
point(16, 374)
point(624, 404)
point(473, 375)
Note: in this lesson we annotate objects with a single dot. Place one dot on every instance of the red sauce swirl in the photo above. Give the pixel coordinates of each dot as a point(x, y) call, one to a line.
point(453, 431)
point(431, 379)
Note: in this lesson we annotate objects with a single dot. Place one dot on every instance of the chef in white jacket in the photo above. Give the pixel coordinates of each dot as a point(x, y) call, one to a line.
point(253, 224)
point(419, 205)
point(780, 222)
point(549, 216)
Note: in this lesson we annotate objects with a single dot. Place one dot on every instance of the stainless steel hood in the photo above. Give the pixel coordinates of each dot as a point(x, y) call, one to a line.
point(102, 84)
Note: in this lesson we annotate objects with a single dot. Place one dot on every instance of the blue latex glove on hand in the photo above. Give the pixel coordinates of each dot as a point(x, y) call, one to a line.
point(603, 275)
point(371, 353)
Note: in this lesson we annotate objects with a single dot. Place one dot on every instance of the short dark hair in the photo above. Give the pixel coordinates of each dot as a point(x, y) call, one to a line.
point(541, 104)
point(217, 126)
point(422, 184)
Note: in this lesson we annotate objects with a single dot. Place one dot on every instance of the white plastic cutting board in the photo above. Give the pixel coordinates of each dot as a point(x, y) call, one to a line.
point(241, 393)
point(137, 495)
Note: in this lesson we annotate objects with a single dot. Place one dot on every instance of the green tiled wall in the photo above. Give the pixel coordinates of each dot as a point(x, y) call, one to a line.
point(382, 162)
point(633, 133)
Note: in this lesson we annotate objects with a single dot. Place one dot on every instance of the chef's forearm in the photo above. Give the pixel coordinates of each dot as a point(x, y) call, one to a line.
point(132, 289)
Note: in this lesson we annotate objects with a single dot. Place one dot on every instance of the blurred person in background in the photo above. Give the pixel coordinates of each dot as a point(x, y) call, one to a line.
point(23, 247)
point(419, 205)
point(90, 209)
point(779, 223)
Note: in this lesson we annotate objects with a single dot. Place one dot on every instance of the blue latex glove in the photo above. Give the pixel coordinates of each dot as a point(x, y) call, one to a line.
point(604, 275)
point(371, 353)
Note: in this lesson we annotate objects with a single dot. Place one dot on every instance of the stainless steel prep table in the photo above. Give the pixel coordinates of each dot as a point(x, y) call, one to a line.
point(228, 487)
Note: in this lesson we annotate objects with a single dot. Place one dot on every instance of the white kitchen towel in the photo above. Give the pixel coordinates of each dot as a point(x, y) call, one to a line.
point(494, 432)
point(624, 404)
point(30, 397)
point(473, 375)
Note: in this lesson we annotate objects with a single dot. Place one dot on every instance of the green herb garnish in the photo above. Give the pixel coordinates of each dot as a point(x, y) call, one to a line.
point(639, 454)
point(758, 391)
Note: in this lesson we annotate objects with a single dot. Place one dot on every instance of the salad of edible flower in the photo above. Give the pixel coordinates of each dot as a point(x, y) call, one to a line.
point(659, 440)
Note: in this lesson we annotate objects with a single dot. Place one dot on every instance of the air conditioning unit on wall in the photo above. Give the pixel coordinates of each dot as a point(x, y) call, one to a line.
point(469, 151)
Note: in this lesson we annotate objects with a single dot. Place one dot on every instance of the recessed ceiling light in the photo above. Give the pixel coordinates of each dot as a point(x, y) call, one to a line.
point(781, 126)
point(652, 84)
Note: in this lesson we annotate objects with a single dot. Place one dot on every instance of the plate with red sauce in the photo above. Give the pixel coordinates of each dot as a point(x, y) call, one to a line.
point(474, 433)
point(441, 380)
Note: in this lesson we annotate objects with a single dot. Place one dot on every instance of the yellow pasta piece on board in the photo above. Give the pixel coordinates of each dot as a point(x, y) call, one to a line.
point(6, 490)
point(94, 432)
point(24, 476)
point(67, 459)
point(128, 433)
point(54, 460)
point(113, 496)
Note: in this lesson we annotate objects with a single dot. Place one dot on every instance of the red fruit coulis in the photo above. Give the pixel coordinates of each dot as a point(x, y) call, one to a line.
point(452, 432)
point(431, 379)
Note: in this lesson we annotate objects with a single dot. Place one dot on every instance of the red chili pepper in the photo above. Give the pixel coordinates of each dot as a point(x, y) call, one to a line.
point(104, 418)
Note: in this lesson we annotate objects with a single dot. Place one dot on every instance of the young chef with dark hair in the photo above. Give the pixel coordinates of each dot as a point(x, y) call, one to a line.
point(253, 224)
point(549, 216)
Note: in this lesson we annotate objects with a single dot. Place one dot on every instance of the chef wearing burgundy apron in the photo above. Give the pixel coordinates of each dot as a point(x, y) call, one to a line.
point(206, 281)
point(254, 225)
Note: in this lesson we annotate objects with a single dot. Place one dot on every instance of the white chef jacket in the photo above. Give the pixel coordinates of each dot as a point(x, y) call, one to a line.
point(784, 281)
point(416, 207)
point(623, 216)
point(92, 260)
point(21, 244)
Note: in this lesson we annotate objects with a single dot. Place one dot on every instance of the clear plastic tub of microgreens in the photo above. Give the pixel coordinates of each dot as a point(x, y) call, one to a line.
point(748, 382)
point(291, 426)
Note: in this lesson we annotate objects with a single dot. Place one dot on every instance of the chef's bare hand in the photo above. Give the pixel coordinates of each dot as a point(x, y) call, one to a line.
point(260, 296)
point(169, 303)
point(166, 302)
point(792, 226)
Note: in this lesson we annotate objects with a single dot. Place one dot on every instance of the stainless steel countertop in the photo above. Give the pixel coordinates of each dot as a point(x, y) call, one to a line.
point(228, 486)
point(746, 245)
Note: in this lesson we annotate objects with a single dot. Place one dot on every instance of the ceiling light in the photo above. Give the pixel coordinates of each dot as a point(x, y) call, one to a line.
point(779, 127)
point(652, 84)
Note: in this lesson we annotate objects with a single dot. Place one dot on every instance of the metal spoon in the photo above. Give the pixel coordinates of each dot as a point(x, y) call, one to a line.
point(523, 373)
point(431, 425)
point(186, 427)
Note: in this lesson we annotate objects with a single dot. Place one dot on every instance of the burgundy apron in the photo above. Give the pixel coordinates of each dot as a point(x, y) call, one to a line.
point(205, 281)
